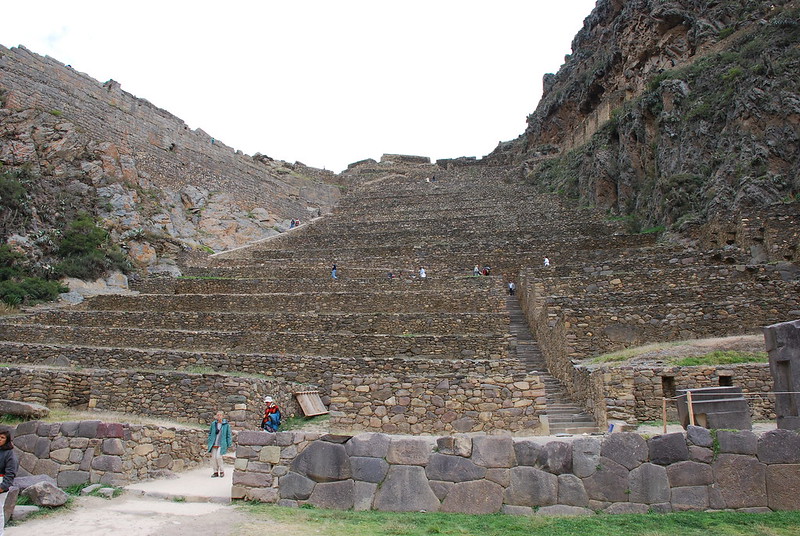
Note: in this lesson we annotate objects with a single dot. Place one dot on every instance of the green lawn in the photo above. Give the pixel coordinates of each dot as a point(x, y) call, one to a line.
point(338, 523)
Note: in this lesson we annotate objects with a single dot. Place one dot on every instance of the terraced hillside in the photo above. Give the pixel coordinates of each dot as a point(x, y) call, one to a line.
point(451, 352)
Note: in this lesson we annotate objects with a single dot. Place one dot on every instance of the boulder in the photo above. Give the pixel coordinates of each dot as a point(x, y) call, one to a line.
point(531, 487)
point(25, 410)
point(527, 452)
point(585, 456)
point(740, 480)
point(368, 469)
point(296, 487)
point(783, 490)
point(699, 436)
point(453, 469)
point(626, 449)
point(493, 451)
point(409, 451)
point(737, 441)
point(363, 495)
point(368, 444)
point(406, 489)
point(648, 484)
point(609, 482)
point(23, 511)
point(668, 448)
point(333, 495)
point(689, 473)
point(556, 457)
point(45, 494)
point(323, 462)
point(779, 446)
point(22, 482)
point(571, 491)
point(689, 498)
point(475, 497)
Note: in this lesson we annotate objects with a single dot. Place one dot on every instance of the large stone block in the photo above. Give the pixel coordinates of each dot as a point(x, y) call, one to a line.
point(668, 448)
point(363, 495)
point(110, 430)
point(46, 467)
point(627, 449)
point(455, 445)
point(648, 484)
point(368, 444)
point(783, 486)
point(409, 451)
point(42, 447)
point(779, 446)
point(88, 429)
point(609, 482)
point(441, 488)
point(45, 494)
point(323, 462)
point(113, 446)
point(699, 436)
point(585, 456)
point(627, 508)
point(22, 482)
point(26, 443)
point(689, 473)
point(295, 486)
point(571, 491)
point(475, 497)
point(252, 479)
point(493, 451)
point(368, 469)
point(737, 442)
point(264, 495)
point(556, 457)
point(527, 452)
point(689, 498)
point(72, 478)
point(26, 410)
point(252, 438)
point(531, 487)
point(563, 510)
point(27, 427)
point(740, 480)
point(406, 489)
point(333, 495)
point(107, 463)
point(453, 469)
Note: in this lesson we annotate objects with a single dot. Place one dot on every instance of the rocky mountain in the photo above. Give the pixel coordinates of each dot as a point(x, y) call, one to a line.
point(69, 143)
point(672, 112)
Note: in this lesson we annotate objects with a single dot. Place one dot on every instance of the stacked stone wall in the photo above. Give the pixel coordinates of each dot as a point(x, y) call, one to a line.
point(479, 474)
point(304, 369)
point(479, 346)
point(451, 403)
point(111, 453)
point(183, 397)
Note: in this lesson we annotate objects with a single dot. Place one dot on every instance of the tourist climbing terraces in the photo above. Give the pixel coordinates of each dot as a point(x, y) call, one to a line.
point(388, 349)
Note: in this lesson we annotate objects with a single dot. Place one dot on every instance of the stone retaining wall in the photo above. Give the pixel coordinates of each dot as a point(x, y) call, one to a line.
point(479, 474)
point(93, 451)
point(633, 393)
point(420, 404)
point(184, 397)
point(479, 346)
point(278, 367)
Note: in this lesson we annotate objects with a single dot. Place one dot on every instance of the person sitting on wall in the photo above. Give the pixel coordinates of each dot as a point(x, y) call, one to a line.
point(272, 416)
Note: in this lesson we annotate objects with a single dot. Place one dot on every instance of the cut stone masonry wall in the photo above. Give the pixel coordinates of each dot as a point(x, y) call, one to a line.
point(480, 474)
point(111, 453)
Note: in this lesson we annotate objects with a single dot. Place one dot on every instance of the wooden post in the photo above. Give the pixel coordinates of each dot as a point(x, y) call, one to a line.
point(664, 413)
point(691, 409)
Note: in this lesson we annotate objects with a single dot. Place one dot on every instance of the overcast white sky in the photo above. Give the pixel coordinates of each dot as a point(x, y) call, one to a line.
point(325, 82)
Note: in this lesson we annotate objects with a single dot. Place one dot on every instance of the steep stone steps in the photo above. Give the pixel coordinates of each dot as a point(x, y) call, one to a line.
point(564, 416)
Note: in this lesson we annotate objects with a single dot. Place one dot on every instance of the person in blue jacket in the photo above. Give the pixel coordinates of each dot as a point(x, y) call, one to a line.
point(219, 440)
point(8, 470)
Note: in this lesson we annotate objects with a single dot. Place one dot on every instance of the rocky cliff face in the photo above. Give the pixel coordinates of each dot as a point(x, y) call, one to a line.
point(158, 186)
point(671, 112)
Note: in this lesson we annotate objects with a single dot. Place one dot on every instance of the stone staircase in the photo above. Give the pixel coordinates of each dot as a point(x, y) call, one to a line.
point(564, 416)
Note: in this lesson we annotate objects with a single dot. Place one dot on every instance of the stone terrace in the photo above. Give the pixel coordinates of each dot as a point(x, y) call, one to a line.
point(448, 353)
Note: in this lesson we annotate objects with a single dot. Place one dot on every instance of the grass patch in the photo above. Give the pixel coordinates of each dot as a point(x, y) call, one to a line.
point(295, 423)
point(339, 523)
point(723, 357)
point(628, 353)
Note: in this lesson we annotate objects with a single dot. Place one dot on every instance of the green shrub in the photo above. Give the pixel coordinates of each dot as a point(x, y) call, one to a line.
point(87, 251)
